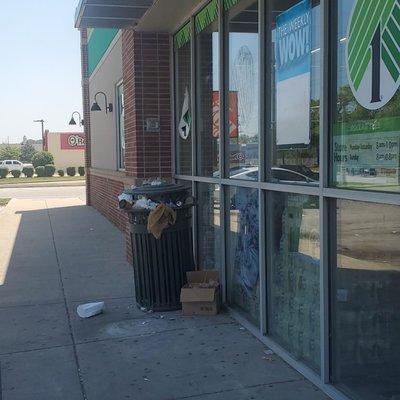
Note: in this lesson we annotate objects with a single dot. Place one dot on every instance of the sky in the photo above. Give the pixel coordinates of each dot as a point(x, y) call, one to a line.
point(40, 74)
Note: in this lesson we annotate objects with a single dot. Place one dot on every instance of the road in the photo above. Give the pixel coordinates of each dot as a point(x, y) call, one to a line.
point(44, 192)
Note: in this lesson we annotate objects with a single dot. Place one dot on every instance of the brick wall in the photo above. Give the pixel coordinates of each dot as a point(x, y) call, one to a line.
point(147, 93)
point(146, 74)
point(103, 195)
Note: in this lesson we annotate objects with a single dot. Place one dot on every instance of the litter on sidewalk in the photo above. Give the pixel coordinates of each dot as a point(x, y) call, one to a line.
point(90, 309)
point(201, 295)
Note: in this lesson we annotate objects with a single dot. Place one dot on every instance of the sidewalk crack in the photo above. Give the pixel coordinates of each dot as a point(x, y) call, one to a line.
point(67, 310)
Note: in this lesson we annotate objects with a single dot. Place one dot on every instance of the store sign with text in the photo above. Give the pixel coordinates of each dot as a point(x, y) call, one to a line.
point(293, 75)
point(367, 144)
point(72, 141)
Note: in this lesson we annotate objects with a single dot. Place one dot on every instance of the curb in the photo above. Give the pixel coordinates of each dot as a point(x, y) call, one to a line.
point(43, 184)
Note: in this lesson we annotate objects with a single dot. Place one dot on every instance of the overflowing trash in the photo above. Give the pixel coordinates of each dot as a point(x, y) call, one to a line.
point(160, 224)
point(125, 201)
point(161, 199)
point(154, 193)
point(159, 219)
point(90, 309)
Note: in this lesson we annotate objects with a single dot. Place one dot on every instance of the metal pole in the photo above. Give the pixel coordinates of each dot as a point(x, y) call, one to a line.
point(42, 124)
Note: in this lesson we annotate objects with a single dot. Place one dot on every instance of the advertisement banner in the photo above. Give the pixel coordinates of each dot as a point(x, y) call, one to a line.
point(72, 141)
point(293, 74)
point(233, 114)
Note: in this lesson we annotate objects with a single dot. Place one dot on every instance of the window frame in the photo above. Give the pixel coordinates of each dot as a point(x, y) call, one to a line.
point(326, 193)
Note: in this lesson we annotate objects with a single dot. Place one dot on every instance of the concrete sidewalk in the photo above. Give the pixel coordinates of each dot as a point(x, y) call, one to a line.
point(57, 253)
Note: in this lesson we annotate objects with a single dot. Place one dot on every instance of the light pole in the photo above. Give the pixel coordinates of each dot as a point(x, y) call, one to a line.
point(42, 122)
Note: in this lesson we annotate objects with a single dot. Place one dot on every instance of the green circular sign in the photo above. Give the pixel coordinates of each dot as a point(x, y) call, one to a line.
point(373, 51)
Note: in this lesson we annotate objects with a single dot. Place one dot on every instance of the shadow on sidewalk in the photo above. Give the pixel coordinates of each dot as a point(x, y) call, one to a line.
point(63, 256)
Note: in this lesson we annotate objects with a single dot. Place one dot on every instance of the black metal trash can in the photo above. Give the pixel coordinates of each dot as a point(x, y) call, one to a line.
point(160, 266)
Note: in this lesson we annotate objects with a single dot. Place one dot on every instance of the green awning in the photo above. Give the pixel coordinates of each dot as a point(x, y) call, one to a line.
point(206, 16)
point(230, 3)
point(182, 36)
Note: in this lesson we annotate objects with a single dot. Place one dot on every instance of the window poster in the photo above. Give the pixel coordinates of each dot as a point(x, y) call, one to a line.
point(293, 75)
point(233, 114)
point(367, 149)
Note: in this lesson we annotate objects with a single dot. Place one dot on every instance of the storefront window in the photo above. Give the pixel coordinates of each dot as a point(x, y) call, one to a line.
point(296, 91)
point(365, 298)
point(208, 110)
point(243, 96)
point(209, 226)
point(293, 277)
point(243, 268)
point(184, 128)
point(366, 127)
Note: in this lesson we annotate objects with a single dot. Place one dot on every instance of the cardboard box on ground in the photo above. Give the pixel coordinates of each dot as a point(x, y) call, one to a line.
point(201, 295)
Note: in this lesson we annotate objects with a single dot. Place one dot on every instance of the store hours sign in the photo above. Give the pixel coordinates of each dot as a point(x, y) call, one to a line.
point(373, 56)
point(293, 73)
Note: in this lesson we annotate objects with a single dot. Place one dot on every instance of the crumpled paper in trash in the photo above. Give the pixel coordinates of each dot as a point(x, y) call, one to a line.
point(145, 203)
point(159, 219)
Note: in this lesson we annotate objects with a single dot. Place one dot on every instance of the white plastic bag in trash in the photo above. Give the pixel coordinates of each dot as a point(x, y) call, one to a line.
point(90, 309)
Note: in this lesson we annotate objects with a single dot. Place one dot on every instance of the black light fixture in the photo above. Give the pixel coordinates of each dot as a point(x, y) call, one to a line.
point(73, 122)
point(96, 107)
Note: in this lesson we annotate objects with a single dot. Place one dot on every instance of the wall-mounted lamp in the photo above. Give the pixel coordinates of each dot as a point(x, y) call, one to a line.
point(96, 107)
point(73, 122)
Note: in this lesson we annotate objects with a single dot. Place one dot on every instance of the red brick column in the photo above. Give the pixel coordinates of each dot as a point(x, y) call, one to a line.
point(147, 90)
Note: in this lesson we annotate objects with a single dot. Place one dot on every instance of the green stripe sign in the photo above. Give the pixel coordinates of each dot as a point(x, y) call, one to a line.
point(182, 36)
point(230, 3)
point(373, 51)
point(206, 16)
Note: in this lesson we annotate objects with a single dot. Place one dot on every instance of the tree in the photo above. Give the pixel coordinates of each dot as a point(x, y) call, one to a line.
point(8, 152)
point(42, 158)
point(27, 152)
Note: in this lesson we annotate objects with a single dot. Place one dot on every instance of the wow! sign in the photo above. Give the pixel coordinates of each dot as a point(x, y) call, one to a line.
point(293, 75)
point(293, 41)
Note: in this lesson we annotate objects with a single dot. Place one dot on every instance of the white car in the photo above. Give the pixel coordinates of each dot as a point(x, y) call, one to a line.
point(13, 165)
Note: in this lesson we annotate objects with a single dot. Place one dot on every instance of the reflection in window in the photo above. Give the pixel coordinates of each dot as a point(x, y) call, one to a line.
point(243, 98)
point(243, 261)
point(208, 125)
point(208, 226)
point(183, 91)
point(294, 299)
point(296, 89)
point(365, 315)
point(366, 131)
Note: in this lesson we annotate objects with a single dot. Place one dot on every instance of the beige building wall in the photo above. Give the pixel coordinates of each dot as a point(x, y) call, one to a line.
point(103, 127)
point(64, 158)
